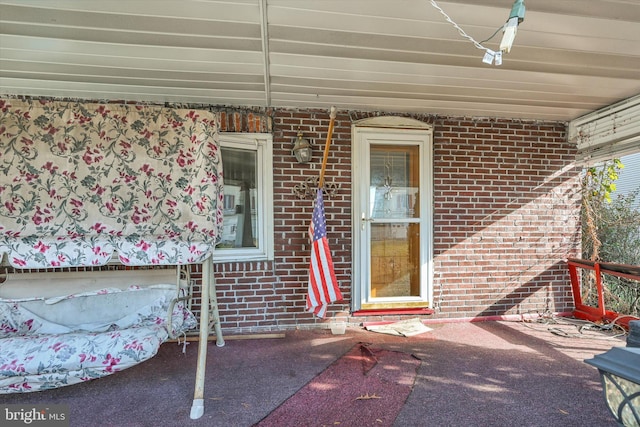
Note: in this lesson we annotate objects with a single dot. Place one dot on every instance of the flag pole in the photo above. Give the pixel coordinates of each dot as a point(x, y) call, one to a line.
point(332, 117)
point(323, 286)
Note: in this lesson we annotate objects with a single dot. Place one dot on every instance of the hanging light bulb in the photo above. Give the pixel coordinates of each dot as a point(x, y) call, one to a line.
point(511, 27)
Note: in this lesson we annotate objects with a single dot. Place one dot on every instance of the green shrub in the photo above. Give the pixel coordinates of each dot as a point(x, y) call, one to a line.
point(611, 233)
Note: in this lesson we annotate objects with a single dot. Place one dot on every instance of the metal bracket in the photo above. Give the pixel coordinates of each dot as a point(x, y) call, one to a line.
point(308, 188)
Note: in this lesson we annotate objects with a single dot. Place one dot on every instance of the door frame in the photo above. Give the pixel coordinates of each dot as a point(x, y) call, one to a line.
point(381, 125)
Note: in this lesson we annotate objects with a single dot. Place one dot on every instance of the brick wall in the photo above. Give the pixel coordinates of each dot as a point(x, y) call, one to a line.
point(505, 216)
point(257, 296)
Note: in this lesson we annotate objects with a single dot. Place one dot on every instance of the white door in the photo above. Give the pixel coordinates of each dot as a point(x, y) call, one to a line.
point(392, 218)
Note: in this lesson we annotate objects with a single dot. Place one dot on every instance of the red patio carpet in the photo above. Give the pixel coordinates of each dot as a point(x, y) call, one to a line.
point(365, 387)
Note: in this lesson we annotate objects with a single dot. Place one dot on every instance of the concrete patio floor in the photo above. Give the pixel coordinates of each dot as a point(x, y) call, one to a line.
point(471, 374)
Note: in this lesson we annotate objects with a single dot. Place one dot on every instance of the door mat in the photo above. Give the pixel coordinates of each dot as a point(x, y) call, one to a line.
point(403, 328)
point(365, 387)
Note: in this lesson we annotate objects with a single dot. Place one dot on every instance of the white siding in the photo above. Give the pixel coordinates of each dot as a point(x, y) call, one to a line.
point(629, 179)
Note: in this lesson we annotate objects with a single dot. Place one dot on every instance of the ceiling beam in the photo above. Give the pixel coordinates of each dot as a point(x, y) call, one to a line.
point(264, 27)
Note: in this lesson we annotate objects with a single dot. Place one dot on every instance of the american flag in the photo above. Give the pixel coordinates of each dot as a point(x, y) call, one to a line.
point(323, 286)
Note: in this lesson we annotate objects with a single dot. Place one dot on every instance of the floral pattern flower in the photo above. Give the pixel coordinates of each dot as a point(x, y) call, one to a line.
point(80, 180)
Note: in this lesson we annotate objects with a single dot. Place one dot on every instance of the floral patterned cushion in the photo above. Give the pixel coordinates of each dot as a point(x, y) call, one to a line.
point(15, 322)
point(40, 362)
point(37, 354)
point(81, 181)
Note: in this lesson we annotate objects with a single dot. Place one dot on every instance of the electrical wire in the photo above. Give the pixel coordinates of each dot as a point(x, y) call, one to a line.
point(624, 316)
point(494, 34)
point(554, 325)
point(457, 27)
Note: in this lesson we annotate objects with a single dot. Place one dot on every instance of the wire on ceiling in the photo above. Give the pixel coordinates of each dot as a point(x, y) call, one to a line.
point(490, 56)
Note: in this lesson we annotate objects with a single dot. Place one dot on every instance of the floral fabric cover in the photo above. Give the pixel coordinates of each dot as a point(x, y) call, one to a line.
point(38, 355)
point(79, 181)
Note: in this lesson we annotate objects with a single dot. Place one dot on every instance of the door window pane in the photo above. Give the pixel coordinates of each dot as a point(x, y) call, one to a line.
point(395, 260)
point(395, 178)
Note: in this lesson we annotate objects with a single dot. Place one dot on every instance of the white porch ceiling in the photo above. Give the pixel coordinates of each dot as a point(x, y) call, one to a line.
point(570, 57)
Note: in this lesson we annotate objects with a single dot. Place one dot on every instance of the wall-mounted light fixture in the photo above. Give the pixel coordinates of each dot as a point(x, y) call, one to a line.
point(302, 149)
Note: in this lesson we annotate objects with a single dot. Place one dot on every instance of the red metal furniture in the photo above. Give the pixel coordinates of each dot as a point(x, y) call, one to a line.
point(599, 313)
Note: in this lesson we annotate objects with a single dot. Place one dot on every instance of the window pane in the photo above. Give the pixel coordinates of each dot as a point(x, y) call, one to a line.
point(240, 198)
point(395, 177)
point(395, 260)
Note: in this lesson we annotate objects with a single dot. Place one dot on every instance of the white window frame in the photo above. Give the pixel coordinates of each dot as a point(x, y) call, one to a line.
point(262, 143)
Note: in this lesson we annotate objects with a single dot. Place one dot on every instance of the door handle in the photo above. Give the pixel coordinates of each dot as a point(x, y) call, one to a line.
point(365, 220)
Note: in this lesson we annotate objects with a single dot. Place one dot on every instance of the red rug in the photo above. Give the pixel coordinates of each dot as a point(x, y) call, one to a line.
point(365, 387)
